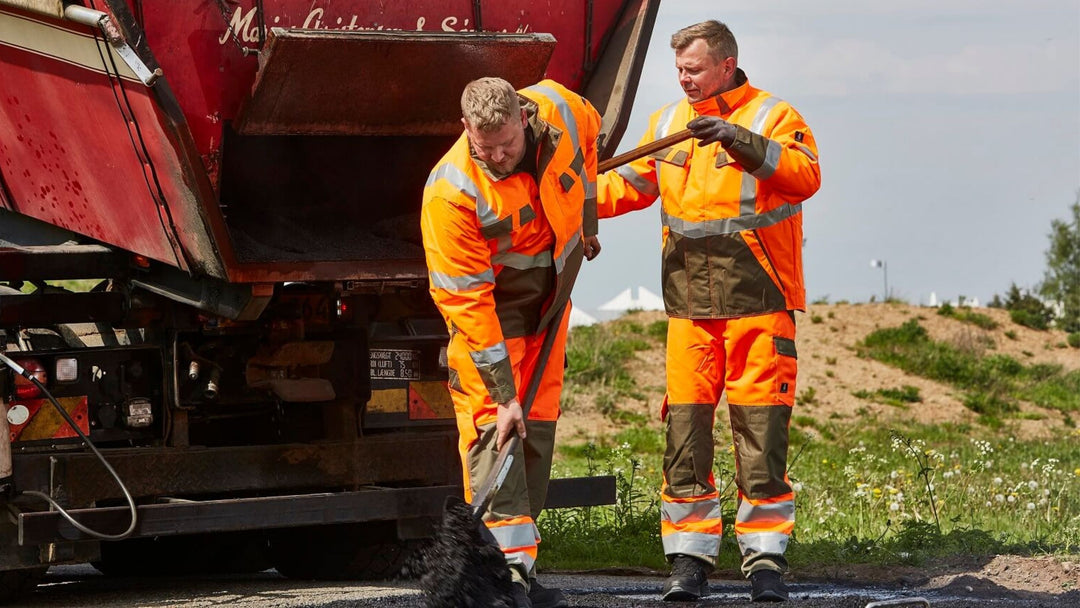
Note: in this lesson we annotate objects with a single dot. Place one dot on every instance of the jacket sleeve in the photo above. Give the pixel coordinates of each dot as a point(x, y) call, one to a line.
point(630, 187)
point(462, 280)
point(786, 158)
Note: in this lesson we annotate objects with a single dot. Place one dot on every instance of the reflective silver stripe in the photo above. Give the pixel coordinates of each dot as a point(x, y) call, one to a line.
point(748, 188)
point(663, 123)
point(806, 151)
point(517, 536)
point(522, 261)
point(762, 542)
point(692, 543)
point(772, 159)
point(457, 178)
point(461, 282)
point(747, 194)
point(520, 557)
point(763, 113)
point(639, 183)
point(564, 110)
point(489, 356)
point(560, 262)
point(590, 188)
point(779, 511)
point(679, 512)
point(728, 225)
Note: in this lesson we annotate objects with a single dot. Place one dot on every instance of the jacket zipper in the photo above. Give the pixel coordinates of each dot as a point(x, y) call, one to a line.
point(768, 258)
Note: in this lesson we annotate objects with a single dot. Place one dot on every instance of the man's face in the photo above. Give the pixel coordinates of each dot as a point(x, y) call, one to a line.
point(700, 75)
point(503, 148)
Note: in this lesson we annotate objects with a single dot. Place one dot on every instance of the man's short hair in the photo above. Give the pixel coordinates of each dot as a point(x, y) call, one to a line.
point(717, 37)
point(488, 103)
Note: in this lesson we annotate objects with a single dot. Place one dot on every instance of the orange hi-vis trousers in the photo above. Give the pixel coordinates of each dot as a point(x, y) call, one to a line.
point(514, 509)
point(754, 360)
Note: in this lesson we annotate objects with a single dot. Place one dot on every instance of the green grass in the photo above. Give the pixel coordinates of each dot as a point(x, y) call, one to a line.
point(865, 492)
point(993, 384)
point(597, 354)
point(867, 495)
point(966, 315)
point(896, 397)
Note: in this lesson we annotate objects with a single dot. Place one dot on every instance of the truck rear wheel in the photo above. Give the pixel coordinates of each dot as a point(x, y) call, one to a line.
point(369, 551)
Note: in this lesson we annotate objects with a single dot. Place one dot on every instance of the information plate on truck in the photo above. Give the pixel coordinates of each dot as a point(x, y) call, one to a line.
point(395, 364)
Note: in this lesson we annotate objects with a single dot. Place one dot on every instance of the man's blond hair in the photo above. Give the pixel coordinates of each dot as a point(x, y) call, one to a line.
point(717, 37)
point(488, 103)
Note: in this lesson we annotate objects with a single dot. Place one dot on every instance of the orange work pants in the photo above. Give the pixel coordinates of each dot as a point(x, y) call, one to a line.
point(513, 511)
point(754, 360)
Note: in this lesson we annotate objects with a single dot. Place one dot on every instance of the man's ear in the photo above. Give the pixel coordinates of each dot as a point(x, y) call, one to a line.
point(465, 123)
point(524, 118)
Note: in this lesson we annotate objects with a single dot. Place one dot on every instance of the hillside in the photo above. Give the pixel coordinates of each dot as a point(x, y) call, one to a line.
point(830, 371)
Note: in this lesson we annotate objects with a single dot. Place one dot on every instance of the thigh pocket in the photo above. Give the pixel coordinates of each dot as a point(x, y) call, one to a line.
point(787, 368)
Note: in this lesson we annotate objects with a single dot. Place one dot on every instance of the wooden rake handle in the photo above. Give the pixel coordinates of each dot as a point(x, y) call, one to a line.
point(645, 150)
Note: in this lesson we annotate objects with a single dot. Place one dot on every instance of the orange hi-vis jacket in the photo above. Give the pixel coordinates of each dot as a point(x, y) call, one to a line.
point(503, 254)
point(732, 218)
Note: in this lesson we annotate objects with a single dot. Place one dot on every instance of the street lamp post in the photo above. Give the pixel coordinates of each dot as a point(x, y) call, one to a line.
point(885, 272)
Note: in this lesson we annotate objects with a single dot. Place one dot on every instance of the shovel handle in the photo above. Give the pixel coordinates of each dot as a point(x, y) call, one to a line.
point(640, 151)
point(495, 479)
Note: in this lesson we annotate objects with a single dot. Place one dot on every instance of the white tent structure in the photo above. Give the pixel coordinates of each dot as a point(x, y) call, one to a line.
point(580, 317)
point(645, 300)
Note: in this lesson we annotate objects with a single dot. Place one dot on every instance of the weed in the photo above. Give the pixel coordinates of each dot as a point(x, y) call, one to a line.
point(1010, 334)
point(808, 396)
point(657, 330)
point(830, 360)
point(897, 397)
point(815, 319)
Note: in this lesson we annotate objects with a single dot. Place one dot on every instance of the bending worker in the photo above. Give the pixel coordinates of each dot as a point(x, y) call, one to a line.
point(732, 279)
point(509, 213)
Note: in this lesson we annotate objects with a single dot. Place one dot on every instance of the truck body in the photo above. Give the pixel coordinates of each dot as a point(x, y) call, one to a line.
point(259, 358)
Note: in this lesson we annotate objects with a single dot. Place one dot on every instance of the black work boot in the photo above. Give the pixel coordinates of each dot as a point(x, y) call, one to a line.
point(767, 586)
point(519, 597)
point(688, 581)
point(543, 597)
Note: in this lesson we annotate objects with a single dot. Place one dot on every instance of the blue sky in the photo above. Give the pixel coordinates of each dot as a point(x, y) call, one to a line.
point(948, 130)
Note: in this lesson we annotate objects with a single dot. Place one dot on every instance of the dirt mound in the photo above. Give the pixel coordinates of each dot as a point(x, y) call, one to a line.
point(830, 370)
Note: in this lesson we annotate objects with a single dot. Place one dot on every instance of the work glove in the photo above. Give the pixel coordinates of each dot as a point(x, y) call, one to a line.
point(710, 129)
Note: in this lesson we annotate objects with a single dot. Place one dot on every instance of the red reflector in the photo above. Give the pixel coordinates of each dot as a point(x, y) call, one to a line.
point(24, 389)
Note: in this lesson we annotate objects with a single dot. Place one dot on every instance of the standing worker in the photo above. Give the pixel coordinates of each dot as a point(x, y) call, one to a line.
point(509, 213)
point(732, 279)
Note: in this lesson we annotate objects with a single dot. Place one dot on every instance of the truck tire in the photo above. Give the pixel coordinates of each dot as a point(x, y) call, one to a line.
point(369, 551)
point(14, 584)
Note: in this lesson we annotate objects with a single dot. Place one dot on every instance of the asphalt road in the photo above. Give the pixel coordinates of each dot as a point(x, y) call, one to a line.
point(84, 586)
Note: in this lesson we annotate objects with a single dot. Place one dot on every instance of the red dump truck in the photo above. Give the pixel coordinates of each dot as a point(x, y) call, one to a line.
point(259, 361)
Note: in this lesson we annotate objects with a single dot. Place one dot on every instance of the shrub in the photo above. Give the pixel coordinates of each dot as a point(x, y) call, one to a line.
point(1074, 339)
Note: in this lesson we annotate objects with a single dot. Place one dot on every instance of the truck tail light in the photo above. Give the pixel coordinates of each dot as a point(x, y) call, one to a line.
point(67, 369)
point(24, 389)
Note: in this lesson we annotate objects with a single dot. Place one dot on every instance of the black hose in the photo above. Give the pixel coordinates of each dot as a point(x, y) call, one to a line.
point(18, 369)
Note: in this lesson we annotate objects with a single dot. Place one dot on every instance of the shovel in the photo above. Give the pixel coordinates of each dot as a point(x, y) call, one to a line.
point(465, 566)
point(648, 148)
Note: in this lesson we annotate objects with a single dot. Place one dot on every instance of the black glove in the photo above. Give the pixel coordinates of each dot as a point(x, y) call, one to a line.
point(710, 129)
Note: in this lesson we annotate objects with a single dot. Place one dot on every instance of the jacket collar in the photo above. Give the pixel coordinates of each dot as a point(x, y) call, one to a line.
point(723, 103)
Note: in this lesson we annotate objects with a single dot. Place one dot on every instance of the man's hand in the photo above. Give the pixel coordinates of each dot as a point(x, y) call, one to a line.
point(509, 421)
point(710, 129)
point(592, 247)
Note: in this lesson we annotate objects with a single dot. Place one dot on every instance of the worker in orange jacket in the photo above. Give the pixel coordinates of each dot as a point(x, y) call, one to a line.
point(508, 215)
point(732, 279)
